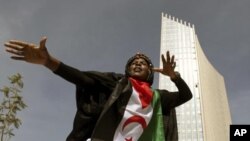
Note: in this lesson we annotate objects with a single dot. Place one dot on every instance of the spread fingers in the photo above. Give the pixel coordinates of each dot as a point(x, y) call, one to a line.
point(14, 46)
point(15, 52)
point(20, 43)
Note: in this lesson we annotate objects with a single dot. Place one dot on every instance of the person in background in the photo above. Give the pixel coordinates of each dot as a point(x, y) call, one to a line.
point(113, 106)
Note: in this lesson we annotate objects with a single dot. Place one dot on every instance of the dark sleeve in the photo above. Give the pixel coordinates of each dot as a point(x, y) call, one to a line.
point(87, 78)
point(171, 100)
point(73, 75)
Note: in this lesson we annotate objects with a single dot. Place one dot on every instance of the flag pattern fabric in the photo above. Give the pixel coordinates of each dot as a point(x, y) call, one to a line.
point(140, 116)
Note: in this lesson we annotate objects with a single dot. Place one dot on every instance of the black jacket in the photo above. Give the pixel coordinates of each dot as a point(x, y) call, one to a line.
point(100, 96)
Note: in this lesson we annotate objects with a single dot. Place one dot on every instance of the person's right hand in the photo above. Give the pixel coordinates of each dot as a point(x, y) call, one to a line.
point(28, 52)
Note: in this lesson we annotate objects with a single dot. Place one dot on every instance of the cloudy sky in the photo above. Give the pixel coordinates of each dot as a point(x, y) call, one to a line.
point(102, 35)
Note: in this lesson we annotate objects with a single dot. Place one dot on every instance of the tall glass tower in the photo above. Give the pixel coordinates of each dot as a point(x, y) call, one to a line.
point(206, 117)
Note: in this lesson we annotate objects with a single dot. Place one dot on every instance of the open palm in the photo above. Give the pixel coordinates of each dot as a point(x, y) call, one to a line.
point(27, 51)
point(168, 66)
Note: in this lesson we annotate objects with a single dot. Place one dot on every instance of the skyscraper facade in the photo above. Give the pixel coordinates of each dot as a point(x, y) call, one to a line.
point(206, 117)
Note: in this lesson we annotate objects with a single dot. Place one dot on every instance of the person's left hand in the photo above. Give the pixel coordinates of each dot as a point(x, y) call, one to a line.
point(168, 66)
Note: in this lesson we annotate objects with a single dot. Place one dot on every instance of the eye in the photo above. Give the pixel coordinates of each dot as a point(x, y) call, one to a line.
point(143, 63)
point(133, 63)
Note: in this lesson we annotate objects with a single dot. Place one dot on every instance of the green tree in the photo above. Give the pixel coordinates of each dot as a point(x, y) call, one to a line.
point(11, 102)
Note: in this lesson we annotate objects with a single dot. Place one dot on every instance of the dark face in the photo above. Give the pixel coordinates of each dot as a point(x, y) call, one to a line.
point(139, 69)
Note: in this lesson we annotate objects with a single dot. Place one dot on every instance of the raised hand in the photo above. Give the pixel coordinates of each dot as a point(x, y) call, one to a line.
point(28, 52)
point(168, 66)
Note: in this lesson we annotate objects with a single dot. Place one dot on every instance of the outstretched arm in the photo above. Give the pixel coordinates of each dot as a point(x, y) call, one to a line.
point(173, 99)
point(32, 53)
point(38, 54)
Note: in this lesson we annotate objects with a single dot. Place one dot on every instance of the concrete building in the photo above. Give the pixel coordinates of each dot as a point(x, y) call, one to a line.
point(206, 117)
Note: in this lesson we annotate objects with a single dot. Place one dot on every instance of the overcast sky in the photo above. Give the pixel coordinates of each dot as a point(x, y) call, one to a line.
point(102, 35)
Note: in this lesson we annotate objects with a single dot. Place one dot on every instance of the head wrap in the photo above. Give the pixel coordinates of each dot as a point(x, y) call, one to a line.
point(150, 77)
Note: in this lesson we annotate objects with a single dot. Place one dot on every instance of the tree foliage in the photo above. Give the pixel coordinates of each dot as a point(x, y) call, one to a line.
point(11, 103)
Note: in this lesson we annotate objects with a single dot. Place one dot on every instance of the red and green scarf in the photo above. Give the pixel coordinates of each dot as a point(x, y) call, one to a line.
point(142, 119)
